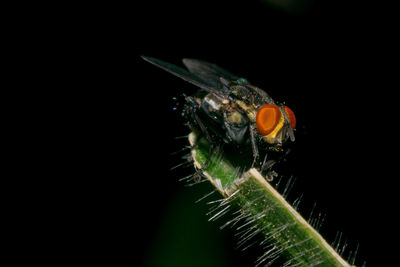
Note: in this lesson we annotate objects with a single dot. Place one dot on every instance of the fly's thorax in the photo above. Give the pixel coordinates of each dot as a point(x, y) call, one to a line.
point(235, 117)
point(235, 124)
point(228, 117)
point(249, 109)
point(231, 110)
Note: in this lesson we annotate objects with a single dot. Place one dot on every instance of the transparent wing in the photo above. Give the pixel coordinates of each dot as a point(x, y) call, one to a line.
point(183, 74)
point(218, 77)
point(208, 72)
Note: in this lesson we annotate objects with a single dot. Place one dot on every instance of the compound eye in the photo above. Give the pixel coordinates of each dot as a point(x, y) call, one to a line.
point(267, 118)
point(291, 117)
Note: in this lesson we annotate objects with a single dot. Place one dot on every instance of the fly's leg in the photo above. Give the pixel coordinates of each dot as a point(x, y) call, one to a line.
point(253, 146)
point(267, 166)
point(269, 163)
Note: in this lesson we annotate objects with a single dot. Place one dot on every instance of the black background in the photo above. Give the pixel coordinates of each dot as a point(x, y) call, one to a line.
point(330, 63)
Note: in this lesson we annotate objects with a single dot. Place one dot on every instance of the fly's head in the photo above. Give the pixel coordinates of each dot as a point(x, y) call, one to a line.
point(275, 123)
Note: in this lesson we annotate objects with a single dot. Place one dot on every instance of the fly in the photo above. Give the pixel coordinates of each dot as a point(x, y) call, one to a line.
point(229, 109)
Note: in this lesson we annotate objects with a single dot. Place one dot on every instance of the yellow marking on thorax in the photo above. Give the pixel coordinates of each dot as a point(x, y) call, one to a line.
point(250, 110)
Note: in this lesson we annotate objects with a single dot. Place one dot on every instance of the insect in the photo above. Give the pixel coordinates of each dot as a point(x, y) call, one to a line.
point(230, 110)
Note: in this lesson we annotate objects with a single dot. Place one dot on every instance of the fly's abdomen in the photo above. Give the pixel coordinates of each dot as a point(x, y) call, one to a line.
point(214, 107)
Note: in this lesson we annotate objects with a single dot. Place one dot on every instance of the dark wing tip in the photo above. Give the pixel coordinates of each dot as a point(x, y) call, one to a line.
point(151, 60)
point(196, 61)
point(191, 63)
point(188, 60)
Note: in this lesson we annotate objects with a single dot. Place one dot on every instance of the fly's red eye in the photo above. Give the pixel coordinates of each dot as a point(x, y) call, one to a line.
point(291, 117)
point(267, 118)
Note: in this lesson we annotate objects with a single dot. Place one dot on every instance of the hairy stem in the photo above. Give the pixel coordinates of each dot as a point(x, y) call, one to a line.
point(266, 212)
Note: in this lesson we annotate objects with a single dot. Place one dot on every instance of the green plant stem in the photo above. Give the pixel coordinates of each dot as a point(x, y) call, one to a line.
point(292, 236)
